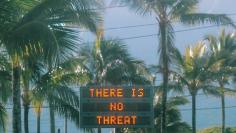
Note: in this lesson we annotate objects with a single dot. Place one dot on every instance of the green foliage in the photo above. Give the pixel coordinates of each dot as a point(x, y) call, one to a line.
point(5, 77)
point(111, 63)
point(217, 130)
point(52, 39)
point(191, 70)
point(39, 31)
point(222, 50)
point(3, 118)
point(174, 123)
point(5, 88)
point(55, 87)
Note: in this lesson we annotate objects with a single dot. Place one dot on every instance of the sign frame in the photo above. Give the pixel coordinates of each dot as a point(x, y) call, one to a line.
point(134, 100)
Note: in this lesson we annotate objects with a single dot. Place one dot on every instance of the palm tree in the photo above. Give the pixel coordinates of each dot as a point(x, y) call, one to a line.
point(55, 87)
point(5, 88)
point(222, 49)
point(166, 12)
point(191, 73)
point(111, 59)
point(51, 37)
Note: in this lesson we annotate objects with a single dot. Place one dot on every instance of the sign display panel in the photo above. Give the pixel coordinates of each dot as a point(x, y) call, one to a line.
point(120, 106)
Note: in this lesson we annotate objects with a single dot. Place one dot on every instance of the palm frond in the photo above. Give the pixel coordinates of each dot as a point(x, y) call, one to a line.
point(174, 123)
point(176, 101)
point(79, 13)
point(5, 77)
point(181, 127)
point(142, 7)
point(202, 18)
point(65, 108)
point(52, 38)
point(210, 89)
point(182, 7)
point(114, 64)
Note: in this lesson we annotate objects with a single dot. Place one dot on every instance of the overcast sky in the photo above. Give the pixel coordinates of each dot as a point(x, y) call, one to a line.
point(146, 48)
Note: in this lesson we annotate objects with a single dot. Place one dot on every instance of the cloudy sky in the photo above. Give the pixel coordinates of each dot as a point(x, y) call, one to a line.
point(145, 48)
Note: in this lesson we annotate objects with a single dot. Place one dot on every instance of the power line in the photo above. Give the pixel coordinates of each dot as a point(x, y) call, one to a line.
point(122, 27)
point(108, 7)
point(133, 26)
point(201, 94)
point(210, 108)
point(142, 25)
point(183, 30)
point(156, 34)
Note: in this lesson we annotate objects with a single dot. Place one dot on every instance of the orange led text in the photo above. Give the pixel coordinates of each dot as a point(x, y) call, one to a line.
point(137, 92)
point(116, 106)
point(116, 120)
point(106, 92)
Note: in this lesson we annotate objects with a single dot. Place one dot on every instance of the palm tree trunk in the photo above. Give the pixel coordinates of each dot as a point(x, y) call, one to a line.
point(26, 104)
point(26, 118)
point(52, 119)
point(222, 108)
point(65, 123)
point(193, 113)
point(99, 130)
point(3, 115)
point(38, 122)
point(16, 112)
point(118, 130)
point(165, 73)
point(223, 112)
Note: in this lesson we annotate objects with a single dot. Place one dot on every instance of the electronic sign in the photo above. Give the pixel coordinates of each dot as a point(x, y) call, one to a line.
point(119, 106)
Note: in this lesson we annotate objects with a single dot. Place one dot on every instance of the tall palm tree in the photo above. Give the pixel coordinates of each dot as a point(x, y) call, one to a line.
point(51, 37)
point(166, 12)
point(5, 88)
point(191, 73)
point(222, 49)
